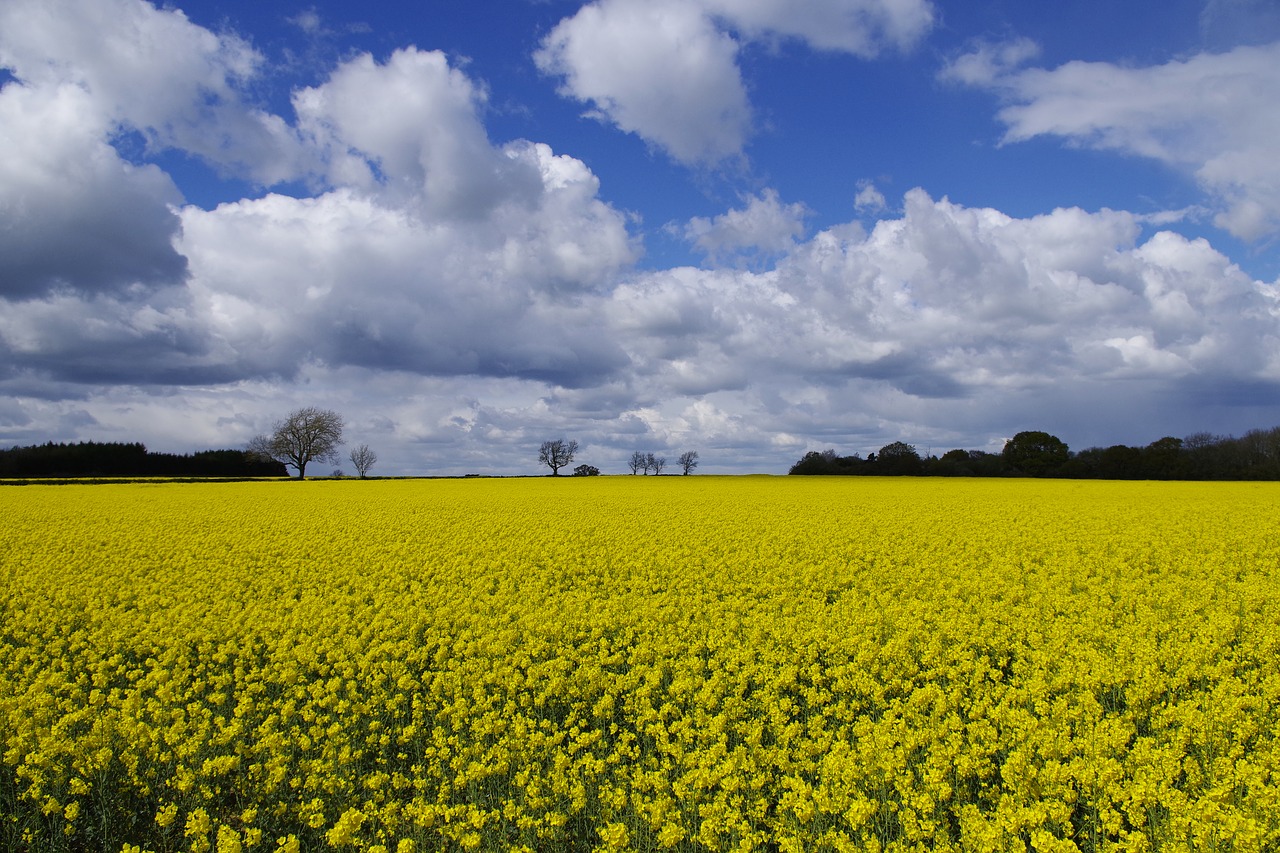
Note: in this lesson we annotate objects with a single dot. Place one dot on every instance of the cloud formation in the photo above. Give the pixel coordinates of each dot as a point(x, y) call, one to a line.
point(154, 72)
point(74, 215)
point(764, 227)
point(1214, 115)
point(667, 70)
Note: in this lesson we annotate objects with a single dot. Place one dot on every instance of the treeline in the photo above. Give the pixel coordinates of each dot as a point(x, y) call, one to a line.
point(1201, 456)
point(107, 459)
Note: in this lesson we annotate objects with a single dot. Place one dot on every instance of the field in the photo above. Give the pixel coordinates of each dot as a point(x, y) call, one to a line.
point(614, 663)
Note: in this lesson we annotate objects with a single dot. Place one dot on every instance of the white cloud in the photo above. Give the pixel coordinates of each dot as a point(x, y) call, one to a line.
point(667, 70)
point(659, 69)
point(765, 226)
point(861, 27)
point(869, 198)
point(1213, 115)
point(73, 214)
point(948, 318)
point(928, 328)
point(347, 279)
point(988, 62)
point(153, 71)
point(408, 130)
point(435, 252)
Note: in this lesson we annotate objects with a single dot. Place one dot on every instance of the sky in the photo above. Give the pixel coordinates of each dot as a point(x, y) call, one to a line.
point(748, 228)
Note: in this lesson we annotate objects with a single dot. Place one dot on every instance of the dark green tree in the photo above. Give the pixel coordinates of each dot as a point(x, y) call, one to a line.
point(1036, 454)
point(1163, 460)
point(898, 458)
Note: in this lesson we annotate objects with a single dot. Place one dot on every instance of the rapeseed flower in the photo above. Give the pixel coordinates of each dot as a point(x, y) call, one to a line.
point(734, 663)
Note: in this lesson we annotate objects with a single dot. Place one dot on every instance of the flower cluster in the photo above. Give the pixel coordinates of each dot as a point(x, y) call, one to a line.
point(665, 664)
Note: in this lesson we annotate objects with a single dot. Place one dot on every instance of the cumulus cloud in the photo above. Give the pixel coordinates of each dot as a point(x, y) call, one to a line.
point(437, 253)
point(1213, 115)
point(73, 214)
point(78, 215)
point(668, 71)
point(661, 70)
point(408, 130)
point(932, 323)
point(428, 249)
point(869, 199)
point(928, 327)
point(765, 226)
point(153, 71)
point(345, 279)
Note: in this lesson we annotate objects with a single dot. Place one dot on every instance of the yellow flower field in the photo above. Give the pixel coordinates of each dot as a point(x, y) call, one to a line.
point(640, 663)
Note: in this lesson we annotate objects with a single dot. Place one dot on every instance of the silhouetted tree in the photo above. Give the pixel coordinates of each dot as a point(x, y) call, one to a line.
point(688, 461)
point(363, 459)
point(656, 463)
point(586, 471)
point(638, 463)
point(307, 435)
point(556, 454)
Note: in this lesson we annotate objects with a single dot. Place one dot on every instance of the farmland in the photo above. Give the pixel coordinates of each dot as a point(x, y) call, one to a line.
point(613, 663)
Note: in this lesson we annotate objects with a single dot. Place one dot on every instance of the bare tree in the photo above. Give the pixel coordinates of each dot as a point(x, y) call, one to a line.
point(638, 463)
point(364, 459)
point(657, 463)
point(688, 461)
point(556, 454)
point(307, 435)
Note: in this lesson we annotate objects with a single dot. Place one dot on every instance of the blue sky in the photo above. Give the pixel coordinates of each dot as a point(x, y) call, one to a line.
point(749, 228)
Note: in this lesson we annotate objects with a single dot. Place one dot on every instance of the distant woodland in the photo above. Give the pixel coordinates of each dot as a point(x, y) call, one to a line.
point(94, 459)
point(1201, 456)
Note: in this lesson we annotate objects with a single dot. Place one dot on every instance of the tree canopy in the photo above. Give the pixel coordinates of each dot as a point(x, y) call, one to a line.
point(1035, 453)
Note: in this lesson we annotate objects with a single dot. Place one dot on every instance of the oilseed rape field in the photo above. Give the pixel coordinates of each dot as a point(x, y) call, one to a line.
point(640, 663)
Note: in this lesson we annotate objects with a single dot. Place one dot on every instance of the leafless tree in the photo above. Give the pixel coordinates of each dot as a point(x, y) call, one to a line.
point(688, 461)
point(556, 454)
point(657, 463)
point(305, 436)
point(638, 463)
point(364, 459)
